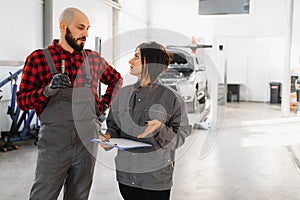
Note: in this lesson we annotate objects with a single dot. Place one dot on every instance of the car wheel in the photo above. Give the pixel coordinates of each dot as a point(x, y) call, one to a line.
point(202, 100)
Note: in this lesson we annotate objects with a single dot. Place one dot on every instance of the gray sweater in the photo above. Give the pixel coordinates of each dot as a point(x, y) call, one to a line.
point(152, 167)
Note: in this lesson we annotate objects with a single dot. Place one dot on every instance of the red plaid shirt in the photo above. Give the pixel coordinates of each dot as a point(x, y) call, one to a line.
point(36, 75)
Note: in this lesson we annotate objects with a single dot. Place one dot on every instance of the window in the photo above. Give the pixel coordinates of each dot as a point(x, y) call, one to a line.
point(223, 7)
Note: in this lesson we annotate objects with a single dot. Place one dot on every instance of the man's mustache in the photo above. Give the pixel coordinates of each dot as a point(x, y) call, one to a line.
point(81, 38)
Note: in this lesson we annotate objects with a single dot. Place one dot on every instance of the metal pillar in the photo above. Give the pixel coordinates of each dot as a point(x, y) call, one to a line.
point(48, 22)
point(285, 105)
point(115, 32)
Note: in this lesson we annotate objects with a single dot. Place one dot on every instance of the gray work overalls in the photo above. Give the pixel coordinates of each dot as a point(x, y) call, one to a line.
point(65, 155)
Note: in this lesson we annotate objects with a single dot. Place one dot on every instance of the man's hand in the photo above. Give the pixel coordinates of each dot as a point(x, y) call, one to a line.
point(48, 91)
point(153, 125)
point(58, 81)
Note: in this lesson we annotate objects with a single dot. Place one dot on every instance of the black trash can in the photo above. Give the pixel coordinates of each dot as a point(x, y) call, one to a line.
point(275, 92)
point(293, 82)
point(297, 86)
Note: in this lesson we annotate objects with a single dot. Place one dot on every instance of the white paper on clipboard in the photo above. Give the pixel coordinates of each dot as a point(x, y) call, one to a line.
point(122, 143)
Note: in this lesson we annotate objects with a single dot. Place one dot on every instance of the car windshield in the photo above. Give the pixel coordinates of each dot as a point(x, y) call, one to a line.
point(182, 63)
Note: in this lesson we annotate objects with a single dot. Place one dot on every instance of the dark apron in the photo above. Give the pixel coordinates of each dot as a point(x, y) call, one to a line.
point(65, 155)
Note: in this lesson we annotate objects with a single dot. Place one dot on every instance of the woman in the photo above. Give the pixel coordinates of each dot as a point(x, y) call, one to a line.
point(149, 112)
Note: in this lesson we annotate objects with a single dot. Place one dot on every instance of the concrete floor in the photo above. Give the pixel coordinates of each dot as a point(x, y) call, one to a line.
point(252, 155)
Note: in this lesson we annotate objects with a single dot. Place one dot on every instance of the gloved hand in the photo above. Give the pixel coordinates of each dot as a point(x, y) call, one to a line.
point(58, 81)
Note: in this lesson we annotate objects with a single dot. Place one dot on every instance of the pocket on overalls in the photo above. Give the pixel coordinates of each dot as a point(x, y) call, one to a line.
point(83, 105)
point(50, 112)
point(47, 162)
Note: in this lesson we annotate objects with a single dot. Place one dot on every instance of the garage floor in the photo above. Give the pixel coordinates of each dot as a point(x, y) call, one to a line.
point(254, 154)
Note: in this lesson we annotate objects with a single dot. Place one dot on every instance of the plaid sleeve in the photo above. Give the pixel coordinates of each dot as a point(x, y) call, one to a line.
point(30, 94)
point(107, 75)
point(112, 79)
point(101, 70)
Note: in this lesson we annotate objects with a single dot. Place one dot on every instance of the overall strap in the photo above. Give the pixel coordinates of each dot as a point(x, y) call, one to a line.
point(54, 71)
point(50, 62)
point(87, 68)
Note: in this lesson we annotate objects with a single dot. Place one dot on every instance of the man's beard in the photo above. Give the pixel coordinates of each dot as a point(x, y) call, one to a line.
point(72, 41)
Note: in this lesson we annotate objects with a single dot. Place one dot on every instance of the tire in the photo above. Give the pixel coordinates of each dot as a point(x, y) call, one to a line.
point(202, 100)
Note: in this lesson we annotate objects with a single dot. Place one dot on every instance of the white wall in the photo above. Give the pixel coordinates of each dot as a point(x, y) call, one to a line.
point(182, 17)
point(20, 29)
point(295, 57)
point(132, 21)
point(99, 13)
point(133, 15)
point(253, 43)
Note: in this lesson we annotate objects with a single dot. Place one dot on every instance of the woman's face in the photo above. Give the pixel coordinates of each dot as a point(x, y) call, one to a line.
point(136, 64)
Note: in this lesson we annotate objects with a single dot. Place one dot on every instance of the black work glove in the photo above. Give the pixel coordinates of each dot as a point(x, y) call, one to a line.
point(58, 81)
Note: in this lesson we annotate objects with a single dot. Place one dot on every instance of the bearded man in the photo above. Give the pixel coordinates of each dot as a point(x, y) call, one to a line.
point(60, 84)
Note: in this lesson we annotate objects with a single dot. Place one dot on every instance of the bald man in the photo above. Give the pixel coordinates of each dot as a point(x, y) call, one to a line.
point(60, 84)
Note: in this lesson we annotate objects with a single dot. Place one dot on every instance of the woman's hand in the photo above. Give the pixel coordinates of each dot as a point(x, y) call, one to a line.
point(104, 138)
point(153, 125)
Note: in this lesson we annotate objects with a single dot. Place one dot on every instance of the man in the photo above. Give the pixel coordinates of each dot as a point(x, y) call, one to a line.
point(60, 84)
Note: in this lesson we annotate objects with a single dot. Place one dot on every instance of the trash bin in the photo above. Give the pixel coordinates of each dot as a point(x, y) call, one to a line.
point(275, 92)
point(293, 82)
point(297, 87)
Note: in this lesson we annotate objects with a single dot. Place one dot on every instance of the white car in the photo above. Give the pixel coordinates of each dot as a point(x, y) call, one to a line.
point(187, 75)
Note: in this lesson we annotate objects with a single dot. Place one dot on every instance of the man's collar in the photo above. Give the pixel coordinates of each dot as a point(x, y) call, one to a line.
point(59, 48)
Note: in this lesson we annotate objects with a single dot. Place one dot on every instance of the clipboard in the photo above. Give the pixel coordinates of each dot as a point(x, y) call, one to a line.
point(121, 143)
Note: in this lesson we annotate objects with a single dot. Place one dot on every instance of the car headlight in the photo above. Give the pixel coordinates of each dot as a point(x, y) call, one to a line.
point(182, 80)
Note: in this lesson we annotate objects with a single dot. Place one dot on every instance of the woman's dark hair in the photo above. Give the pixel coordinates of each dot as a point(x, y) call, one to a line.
point(155, 59)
